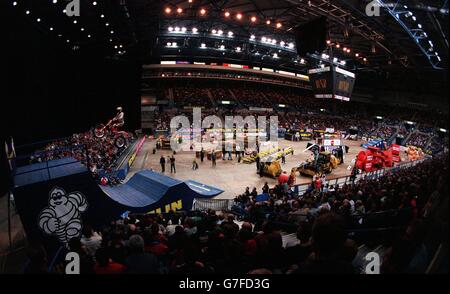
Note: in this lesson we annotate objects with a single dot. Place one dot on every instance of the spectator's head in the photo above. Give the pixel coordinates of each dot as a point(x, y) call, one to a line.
point(247, 226)
point(154, 229)
point(75, 245)
point(87, 231)
point(328, 235)
point(136, 244)
point(304, 232)
point(102, 257)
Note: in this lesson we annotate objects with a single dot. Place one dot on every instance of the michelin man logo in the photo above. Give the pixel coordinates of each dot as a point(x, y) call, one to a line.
point(62, 216)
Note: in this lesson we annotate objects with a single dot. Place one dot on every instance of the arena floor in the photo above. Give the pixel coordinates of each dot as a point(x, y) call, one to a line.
point(231, 176)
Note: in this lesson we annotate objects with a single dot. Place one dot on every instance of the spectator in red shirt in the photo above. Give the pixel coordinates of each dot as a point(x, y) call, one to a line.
point(105, 266)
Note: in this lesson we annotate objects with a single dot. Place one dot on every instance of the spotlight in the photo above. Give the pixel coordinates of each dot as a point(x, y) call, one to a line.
point(264, 39)
point(214, 32)
point(170, 29)
point(177, 29)
point(183, 29)
point(203, 11)
point(239, 16)
point(195, 30)
point(275, 55)
point(282, 43)
point(168, 10)
point(227, 14)
point(222, 47)
point(230, 34)
point(15, 3)
point(268, 22)
point(291, 45)
point(179, 10)
point(203, 45)
point(238, 49)
point(253, 19)
point(279, 25)
point(252, 37)
point(220, 32)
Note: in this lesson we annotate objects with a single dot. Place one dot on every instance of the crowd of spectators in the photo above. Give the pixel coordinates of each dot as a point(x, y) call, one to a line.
point(96, 153)
point(193, 97)
point(216, 242)
point(437, 144)
point(305, 112)
point(418, 140)
point(252, 98)
point(162, 121)
point(221, 94)
point(385, 132)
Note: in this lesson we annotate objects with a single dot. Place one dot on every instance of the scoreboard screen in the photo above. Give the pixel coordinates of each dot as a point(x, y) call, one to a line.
point(322, 82)
point(344, 82)
point(332, 84)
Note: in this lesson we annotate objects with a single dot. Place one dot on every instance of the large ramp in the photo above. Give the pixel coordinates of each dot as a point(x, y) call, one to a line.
point(55, 199)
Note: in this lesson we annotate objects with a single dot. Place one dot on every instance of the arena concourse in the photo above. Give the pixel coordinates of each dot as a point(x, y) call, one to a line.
point(118, 148)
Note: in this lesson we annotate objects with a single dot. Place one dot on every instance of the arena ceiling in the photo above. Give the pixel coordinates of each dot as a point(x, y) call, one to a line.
point(383, 44)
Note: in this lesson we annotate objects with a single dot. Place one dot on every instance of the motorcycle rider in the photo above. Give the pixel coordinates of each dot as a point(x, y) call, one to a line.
point(119, 120)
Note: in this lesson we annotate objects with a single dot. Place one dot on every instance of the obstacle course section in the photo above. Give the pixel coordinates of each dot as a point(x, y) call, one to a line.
point(56, 198)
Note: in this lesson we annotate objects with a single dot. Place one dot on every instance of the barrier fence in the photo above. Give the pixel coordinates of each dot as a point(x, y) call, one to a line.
point(299, 190)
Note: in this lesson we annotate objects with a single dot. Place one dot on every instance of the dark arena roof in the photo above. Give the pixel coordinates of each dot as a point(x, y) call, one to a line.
point(225, 137)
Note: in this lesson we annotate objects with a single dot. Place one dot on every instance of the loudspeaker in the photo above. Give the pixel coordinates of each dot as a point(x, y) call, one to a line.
point(312, 36)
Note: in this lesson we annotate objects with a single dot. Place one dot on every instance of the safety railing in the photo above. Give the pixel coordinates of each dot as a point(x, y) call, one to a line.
point(299, 190)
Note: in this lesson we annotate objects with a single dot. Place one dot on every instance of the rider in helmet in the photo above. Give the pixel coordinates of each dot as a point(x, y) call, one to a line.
point(119, 120)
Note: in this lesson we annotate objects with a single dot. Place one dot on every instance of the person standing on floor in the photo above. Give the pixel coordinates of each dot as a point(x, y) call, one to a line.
point(172, 165)
point(258, 163)
point(194, 165)
point(162, 162)
point(283, 157)
point(202, 155)
point(213, 158)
